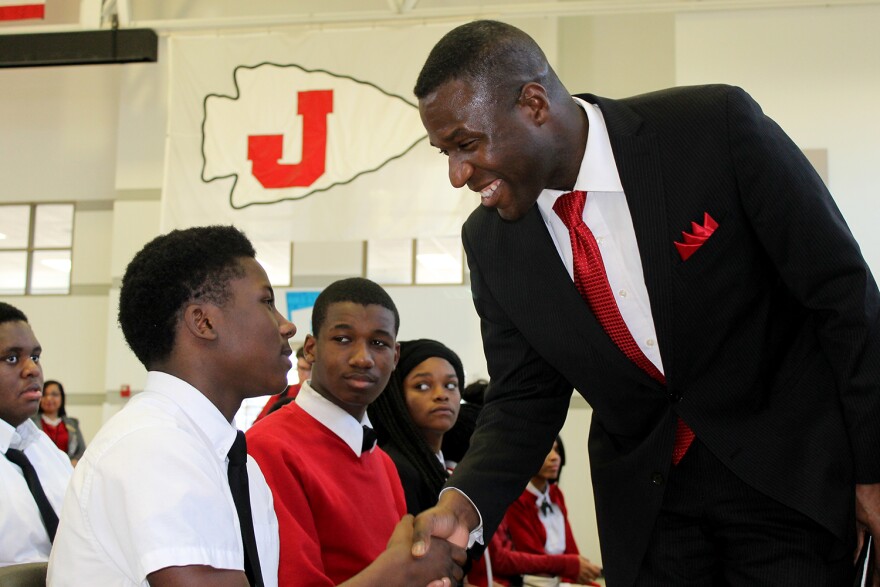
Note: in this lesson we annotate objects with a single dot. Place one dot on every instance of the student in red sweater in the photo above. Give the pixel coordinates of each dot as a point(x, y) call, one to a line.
point(337, 495)
point(537, 523)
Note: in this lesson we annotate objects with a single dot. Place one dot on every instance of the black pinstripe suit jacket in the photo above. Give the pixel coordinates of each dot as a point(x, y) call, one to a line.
point(769, 333)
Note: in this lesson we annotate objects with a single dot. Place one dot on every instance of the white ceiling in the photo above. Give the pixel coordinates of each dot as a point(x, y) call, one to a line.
point(177, 15)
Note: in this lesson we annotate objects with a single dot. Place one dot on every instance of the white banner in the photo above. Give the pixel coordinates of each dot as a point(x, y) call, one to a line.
point(306, 136)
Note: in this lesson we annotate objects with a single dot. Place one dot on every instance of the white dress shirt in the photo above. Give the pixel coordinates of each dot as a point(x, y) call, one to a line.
point(23, 537)
point(337, 420)
point(151, 491)
point(607, 215)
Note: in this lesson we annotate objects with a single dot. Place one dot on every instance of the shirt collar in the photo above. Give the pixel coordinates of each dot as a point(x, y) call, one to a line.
point(337, 420)
point(20, 437)
point(204, 415)
point(598, 171)
point(540, 496)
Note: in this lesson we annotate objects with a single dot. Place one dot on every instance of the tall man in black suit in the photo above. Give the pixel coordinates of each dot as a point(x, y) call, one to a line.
point(698, 287)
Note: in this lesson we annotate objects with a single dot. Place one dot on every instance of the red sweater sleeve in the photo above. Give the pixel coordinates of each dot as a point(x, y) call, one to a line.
point(507, 562)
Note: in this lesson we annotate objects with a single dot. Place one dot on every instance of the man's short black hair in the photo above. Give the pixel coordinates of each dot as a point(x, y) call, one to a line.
point(489, 53)
point(9, 313)
point(171, 270)
point(354, 289)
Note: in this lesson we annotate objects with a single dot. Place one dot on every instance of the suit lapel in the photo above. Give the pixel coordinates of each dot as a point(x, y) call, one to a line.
point(529, 241)
point(638, 163)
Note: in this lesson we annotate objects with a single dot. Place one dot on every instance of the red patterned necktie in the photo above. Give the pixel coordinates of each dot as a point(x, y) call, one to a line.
point(592, 283)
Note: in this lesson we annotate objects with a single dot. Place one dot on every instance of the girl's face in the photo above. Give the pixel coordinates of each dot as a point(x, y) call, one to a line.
point(432, 395)
point(550, 468)
point(50, 403)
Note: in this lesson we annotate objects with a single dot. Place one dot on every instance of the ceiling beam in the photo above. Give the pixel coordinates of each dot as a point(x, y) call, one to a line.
point(409, 12)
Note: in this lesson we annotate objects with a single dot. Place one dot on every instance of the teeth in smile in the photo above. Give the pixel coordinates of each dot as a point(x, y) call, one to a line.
point(490, 189)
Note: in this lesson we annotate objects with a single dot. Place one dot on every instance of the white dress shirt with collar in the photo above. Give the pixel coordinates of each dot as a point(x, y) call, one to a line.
point(151, 491)
point(23, 537)
point(337, 420)
point(607, 215)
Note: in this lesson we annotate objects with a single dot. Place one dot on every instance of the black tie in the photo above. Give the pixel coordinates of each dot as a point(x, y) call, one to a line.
point(50, 519)
point(546, 508)
point(238, 484)
point(369, 439)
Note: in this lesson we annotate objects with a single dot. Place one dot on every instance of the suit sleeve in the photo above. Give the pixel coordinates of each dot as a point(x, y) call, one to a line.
point(804, 233)
point(524, 410)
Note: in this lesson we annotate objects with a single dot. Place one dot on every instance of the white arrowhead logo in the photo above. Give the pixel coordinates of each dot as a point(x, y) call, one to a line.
point(292, 132)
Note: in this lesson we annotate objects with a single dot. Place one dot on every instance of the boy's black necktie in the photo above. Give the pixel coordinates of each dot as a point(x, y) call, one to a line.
point(369, 439)
point(50, 519)
point(238, 484)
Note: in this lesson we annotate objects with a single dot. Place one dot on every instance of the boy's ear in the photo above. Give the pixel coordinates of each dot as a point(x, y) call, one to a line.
point(396, 353)
point(309, 349)
point(198, 319)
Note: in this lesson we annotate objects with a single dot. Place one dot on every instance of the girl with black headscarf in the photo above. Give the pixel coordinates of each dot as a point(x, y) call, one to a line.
point(419, 405)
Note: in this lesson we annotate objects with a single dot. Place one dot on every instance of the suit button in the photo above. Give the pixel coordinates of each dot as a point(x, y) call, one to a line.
point(657, 478)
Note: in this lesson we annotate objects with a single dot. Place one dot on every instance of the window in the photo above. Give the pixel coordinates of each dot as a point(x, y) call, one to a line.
point(439, 260)
point(421, 261)
point(274, 256)
point(35, 248)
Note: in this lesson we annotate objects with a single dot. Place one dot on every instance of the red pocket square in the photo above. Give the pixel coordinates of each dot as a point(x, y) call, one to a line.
point(695, 239)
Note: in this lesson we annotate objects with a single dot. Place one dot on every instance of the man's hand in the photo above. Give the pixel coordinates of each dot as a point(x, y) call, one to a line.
point(588, 571)
point(396, 567)
point(868, 522)
point(452, 519)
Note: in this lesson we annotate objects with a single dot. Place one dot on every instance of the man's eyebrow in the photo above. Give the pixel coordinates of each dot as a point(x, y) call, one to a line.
point(451, 137)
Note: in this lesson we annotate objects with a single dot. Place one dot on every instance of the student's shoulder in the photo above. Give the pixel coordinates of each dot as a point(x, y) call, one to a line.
point(279, 425)
point(142, 429)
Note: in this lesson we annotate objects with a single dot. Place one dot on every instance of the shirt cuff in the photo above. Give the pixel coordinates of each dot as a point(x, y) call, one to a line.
point(476, 535)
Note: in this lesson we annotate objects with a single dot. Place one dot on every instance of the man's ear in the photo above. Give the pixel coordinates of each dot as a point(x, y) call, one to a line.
point(536, 100)
point(309, 349)
point(198, 319)
point(396, 354)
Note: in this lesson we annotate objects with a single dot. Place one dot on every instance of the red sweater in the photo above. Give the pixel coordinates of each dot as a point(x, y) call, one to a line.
point(336, 511)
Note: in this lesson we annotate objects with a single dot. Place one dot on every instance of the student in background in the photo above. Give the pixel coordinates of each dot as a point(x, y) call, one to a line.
point(33, 472)
point(165, 493)
point(418, 407)
point(337, 495)
point(537, 523)
point(52, 418)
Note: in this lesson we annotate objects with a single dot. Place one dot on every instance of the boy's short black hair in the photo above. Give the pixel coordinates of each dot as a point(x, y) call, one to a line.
point(9, 313)
point(171, 270)
point(357, 290)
